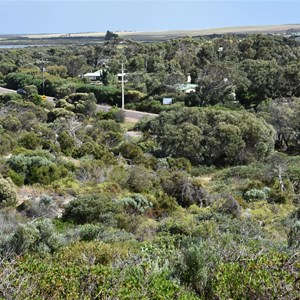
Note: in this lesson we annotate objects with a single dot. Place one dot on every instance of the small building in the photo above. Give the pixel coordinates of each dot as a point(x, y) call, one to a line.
point(96, 76)
point(187, 87)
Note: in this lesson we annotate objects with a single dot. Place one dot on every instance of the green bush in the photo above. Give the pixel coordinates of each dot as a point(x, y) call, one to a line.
point(265, 276)
point(197, 265)
point(89, 232)
point(18, 179)
point(230, 206)
point(47, 174)
point(294, 235)
point(140, 179)
point(94, 208)
point(30, 140)
point(276, 195)
point(8, 196)
point(39, 236)
point(212, 136)
point(4, 98)
point(256, 194)
point(114, 113)
point(37, 167)
point(136, 203)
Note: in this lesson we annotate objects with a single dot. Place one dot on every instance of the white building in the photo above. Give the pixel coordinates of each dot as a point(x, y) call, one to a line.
point(96, 76)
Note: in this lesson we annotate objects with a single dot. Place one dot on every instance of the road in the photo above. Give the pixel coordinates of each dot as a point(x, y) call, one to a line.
point(130, 115)
point(134, 115)
point(5, 91)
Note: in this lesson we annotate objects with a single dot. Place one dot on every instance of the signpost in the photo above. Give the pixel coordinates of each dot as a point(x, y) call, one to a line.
point(167, 101)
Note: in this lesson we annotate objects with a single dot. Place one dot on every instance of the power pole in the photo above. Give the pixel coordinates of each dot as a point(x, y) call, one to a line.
point(123, 100)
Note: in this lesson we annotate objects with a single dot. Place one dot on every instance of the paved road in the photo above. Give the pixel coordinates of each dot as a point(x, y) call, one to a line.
point(131, 115)
point(5, 91)
point(137, 115)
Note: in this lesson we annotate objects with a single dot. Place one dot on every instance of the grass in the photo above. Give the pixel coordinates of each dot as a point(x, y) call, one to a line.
point(128, 125)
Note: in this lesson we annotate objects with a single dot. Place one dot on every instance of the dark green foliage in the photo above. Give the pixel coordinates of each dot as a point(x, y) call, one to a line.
point(39, 236)
point(231, 207)
point(47, 174)
point(96, 208)
point(213, 136)
point(109, 95)
point(37, 167)
point(294, 235)
point(7, 143)
point(89, 232)
point(30, 140)
point(114, 113)
point(130, 152)
point(110, 35)
point(19, 80)
point(140, 179)
point(81, 103)
point(4, 98)
point(17, 178)
point(67, 143)
point(196, 266)
point(172, 214)
point(186, 191)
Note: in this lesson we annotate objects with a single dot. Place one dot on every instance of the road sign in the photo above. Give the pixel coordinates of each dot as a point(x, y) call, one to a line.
point(167, 101)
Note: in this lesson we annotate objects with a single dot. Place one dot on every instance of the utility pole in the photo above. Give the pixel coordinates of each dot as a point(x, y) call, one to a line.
point(123, 100)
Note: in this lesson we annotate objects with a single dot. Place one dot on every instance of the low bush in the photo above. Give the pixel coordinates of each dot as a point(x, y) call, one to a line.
point(8, 196)
point(93, 208)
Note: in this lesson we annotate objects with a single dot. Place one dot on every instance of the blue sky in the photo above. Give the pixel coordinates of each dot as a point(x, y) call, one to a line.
point(71, 16)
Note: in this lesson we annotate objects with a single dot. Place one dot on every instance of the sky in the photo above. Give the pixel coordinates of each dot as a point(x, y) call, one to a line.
point(69, 16)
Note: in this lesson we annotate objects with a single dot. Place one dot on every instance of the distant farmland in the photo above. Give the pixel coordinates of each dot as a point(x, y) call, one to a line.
point(96, 37)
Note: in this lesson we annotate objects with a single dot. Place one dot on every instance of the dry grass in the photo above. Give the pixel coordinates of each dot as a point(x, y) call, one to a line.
point(173, 33)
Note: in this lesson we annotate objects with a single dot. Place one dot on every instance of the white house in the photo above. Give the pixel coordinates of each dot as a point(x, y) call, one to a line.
point(187, 87)
point(96, 76)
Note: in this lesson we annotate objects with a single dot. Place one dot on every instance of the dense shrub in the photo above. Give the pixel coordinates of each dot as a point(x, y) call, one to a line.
point(37, 167)
point(95, 208)
point(136, 203)
point(256, 194)
point(39, 236)
point(8, 196)
point(197, 265)
point(212, 136)
point(140, 179)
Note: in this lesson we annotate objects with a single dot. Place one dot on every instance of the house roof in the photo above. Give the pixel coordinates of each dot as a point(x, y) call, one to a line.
point(97, 73)
point(187, 86)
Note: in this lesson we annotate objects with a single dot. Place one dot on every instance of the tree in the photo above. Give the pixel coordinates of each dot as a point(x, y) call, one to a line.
point(265, 82)
point(110, 35)
point(218, 83)
point(212, 136)
point(76, 65)
point(284, 115)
